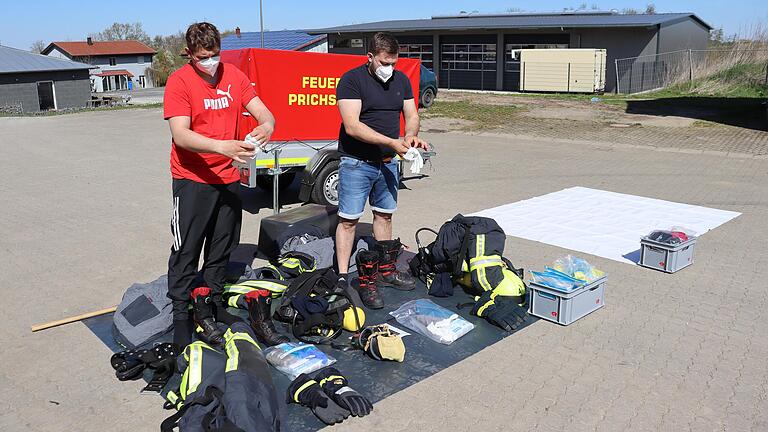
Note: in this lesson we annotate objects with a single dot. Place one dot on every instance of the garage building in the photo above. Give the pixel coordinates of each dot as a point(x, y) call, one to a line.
point(33, 82)
point(473, 51)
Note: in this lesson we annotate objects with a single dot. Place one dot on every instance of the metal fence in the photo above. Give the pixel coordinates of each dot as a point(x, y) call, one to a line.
point(653, 72)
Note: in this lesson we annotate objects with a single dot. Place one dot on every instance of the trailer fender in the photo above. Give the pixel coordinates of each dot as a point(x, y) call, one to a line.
point(308, 176)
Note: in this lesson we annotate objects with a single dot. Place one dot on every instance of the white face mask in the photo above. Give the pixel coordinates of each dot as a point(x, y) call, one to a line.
point(209, 65)
point(384, 73)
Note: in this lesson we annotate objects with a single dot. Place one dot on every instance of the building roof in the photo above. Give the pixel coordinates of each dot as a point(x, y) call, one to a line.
point(100, 48)
point(114, 72)
point(515, 21)
point(290, 40)
point(16, 60)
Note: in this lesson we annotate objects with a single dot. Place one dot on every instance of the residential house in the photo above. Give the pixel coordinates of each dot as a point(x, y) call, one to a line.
point(117, 65)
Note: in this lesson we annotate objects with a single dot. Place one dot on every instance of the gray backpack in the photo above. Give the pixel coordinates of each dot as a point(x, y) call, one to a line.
point(144, 315)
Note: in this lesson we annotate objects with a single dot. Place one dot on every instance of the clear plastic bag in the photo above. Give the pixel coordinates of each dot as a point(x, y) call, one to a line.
point(435, 322)
point(555, 280)
point(578, 268)
point(674, 235)
point(296, 358)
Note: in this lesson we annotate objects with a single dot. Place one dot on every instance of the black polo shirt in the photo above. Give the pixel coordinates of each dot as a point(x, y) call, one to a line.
point(382, 104)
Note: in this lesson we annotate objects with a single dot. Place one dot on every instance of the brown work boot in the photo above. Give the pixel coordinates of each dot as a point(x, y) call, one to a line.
point(260, 310)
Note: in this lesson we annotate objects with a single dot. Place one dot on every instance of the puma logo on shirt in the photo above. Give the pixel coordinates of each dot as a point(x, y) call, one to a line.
point(220, 103)
point(225, 93)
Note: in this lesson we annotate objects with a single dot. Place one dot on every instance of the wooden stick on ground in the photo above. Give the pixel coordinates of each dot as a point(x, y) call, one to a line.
point(75, 318)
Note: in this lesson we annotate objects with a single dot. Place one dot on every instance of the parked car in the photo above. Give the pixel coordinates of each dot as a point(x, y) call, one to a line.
point(427, 87)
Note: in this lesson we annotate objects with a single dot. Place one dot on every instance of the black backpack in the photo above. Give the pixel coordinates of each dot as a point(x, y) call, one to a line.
point(317, 328)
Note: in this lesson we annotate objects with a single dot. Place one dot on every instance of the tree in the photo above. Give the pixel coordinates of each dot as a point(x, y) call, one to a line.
point(37, 46)
point(630, 11)
point(650, 9)
point(716, 36)
point(122, 31)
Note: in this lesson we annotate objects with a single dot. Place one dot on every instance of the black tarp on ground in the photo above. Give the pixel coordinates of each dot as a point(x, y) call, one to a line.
point(374, 379)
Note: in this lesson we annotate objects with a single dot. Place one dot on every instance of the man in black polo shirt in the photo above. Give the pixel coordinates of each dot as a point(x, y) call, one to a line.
point(371, 98)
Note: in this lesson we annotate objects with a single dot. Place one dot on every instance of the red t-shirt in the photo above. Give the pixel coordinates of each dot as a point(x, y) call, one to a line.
point(214, 111)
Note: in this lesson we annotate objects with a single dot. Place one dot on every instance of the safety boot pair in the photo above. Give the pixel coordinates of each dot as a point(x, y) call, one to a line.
point(377, 268)
point(260, 314)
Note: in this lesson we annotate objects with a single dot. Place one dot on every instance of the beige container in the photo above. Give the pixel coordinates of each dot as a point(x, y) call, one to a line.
point(562, 70)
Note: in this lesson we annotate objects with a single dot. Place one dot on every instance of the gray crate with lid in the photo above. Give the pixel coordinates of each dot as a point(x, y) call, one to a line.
point(666, 257)
point(566, 307)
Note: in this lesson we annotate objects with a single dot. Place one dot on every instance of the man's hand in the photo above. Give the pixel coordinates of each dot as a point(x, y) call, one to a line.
point(262, 133)
point(414, 141)
point(236, 150)
point(399, 146)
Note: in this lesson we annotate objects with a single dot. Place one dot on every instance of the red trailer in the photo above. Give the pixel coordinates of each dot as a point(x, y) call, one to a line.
point(299, 88)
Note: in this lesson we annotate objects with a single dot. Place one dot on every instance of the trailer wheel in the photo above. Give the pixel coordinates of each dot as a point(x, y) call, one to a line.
point(326, 190)
point(264, 182)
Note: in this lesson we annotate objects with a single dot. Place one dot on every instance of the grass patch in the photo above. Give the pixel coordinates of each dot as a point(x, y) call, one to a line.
point(82, 110)
point(484, 116)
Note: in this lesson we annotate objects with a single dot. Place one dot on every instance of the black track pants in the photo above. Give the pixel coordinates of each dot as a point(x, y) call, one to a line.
point(205, 218)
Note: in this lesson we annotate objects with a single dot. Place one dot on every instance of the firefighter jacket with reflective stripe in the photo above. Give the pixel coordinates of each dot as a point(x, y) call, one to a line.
point(229, 390)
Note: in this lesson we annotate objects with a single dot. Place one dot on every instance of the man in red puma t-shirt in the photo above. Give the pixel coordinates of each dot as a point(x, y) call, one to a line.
point(203, 101)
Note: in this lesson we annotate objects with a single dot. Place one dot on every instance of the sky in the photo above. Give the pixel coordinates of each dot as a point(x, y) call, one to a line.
point(23, 22)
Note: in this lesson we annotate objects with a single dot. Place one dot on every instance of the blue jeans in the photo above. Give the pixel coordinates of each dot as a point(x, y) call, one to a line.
point(359, 181)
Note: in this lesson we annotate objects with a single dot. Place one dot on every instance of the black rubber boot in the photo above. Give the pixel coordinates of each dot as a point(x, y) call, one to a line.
point(260, 311)
point(203, 316)
point(389, 275)
point(368, 273)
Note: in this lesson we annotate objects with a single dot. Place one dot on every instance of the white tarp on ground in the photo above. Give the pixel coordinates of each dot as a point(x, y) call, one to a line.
point(597, 222)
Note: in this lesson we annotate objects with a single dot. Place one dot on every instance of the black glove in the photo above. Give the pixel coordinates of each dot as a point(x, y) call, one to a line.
point(307, 392)
point(336, 386)
point(501, 311)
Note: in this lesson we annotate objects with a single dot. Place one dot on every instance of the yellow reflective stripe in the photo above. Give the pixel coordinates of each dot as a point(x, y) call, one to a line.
point(263, 284)
point(269, 163)
point(483, 262)
point(483, 279)
point(479, 245)
point(233, 353)
point(232, 301)
point(301, 389)
point(233, 356)
point(243, 337)
point(194, 371)
point(330, 378)
point(290, 262)
point(486, 305)
point(238, 289)
point(480, 253)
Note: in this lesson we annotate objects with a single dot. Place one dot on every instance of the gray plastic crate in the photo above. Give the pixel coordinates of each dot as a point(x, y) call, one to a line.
point(565, 308)
point(665, 257)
